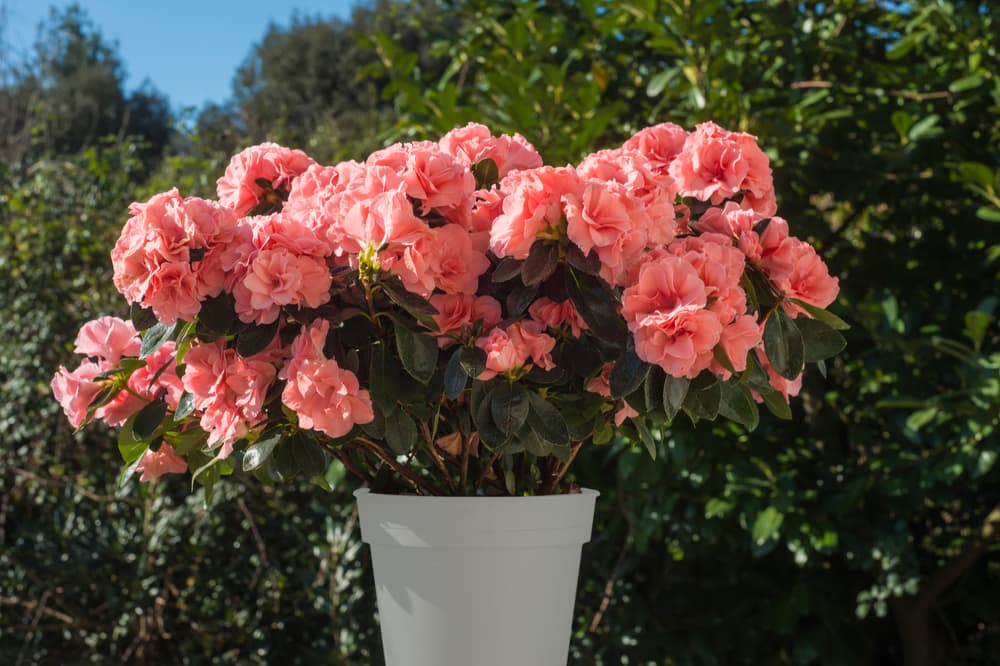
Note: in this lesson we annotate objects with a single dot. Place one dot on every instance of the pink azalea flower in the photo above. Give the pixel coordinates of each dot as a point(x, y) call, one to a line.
point(155, 464)
point(108, 338)
point(228, 390)
point(532, 203)
point(603, 217)
point(509, 350)
point(76, 390)
point(238, 188)
point(554, 315)
point(659, 144)
point(325, 396)
point(458, 312)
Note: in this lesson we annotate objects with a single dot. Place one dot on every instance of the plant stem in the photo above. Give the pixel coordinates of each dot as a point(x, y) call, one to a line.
point(418, 483)
point(429, 440)
point(565, 467)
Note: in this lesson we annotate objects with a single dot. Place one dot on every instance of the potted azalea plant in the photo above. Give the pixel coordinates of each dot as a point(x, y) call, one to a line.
point(452, 322)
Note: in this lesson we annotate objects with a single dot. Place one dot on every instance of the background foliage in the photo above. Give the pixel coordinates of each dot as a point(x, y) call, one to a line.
point(864, 532)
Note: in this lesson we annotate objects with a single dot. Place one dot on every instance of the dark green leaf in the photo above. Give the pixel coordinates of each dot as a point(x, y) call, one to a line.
point(541, 263)
point(509, 407)
point(547, 421)
point(489, 433)
point(821, 341)
point(487, 174)
point(723, 359)
point(589, 264)
point(737, 405)
point(508, 269)
point(419, 307)
point(255, 339)
point(257, 454)
point(783, 345)
point(824, 316)
point(185, 406)
point(675, 390)
point(417, 352)
point(645, 436)
point(767, 525)
point(704, 396)
point(218, 313)
point(628, 373)
point(455, 377)
point(142, 318)
point(597, 305)
point(154, 338)
point(777, 404)
point(400, 432)
point(148, 419)
point(519, 298)
point(473, 361)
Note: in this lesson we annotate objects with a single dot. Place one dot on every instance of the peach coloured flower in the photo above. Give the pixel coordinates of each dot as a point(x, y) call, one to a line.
point(731, 220)
point(411, 254)
point(156, 379)
point(325, 396)
point(601, 385)
point(603, 217)
point(555, 315)
point(532, 203)
point(737, 339)
point(716, 164)
point(238, 188)
point(720, 267)
point(382, 218)
point(665, 311)
point(459, 259)
point(172, 254)
point(228, 390)
point(489, 204)
point(76, 390)
point(457, 313)
point(107, 338)
point(809, 281)
point(474, 143)
point(278, 278)
point(164, 460)
point(509, 350)
point(659, 144)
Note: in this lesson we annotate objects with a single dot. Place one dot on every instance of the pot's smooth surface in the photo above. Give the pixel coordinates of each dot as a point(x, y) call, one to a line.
point(476, 581)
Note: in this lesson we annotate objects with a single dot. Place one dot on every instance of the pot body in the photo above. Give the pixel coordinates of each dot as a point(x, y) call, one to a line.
point(476, 581)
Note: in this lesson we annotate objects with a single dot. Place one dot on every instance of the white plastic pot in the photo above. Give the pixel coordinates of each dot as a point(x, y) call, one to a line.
point(476, 581)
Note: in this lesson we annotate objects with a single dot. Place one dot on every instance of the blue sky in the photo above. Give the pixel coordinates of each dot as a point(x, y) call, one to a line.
point(188, 49)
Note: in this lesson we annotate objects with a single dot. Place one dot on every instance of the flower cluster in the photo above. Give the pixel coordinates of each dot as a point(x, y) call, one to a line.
point(444, 311)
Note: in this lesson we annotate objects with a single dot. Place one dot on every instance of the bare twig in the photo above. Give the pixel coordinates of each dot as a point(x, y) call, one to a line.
point(418, 483)
point(435, 456)
point(261, 549)
point(564, 468)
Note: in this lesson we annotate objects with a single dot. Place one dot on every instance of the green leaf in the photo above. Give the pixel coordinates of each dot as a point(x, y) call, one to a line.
point(455, 376)
point(540, 264)
point(508, 269)
point(128, 471)
point(824, 316)
point(185, 406)
point(589, 264)
point(976, 325)
point(257, 454)
point(783, 345)
point(820, 341)
point(902, 121)
point(988, 213)
point(645, 436)
point(966, 83)
point(487, 174)
point(142, 318)
point(131, 451)
point(509, 407)
point(767, 525)
point(482, 411)
point(148, 419)
point(519, 298)
point(717, 507)
point(255, 339)
point(597, 305)
point(547, 421)
point(919, 419)
point(675, 390)
point(704, 396)
point(776, 404)
point(154, 338)
point(400, 432)
point(657, 84)
point(218, 313)
point(420, 308)
point(628, 373)
point(473, 361)
point(976, 173)
point(417, 352)
point(925, 128)
point(736, 405)
point(903, 46)
point(723, 358)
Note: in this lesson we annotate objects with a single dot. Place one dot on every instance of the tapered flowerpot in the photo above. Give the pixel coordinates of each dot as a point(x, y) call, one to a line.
point(476, 581)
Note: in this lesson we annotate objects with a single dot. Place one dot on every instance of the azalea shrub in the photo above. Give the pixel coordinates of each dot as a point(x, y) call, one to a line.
point(451, 317)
